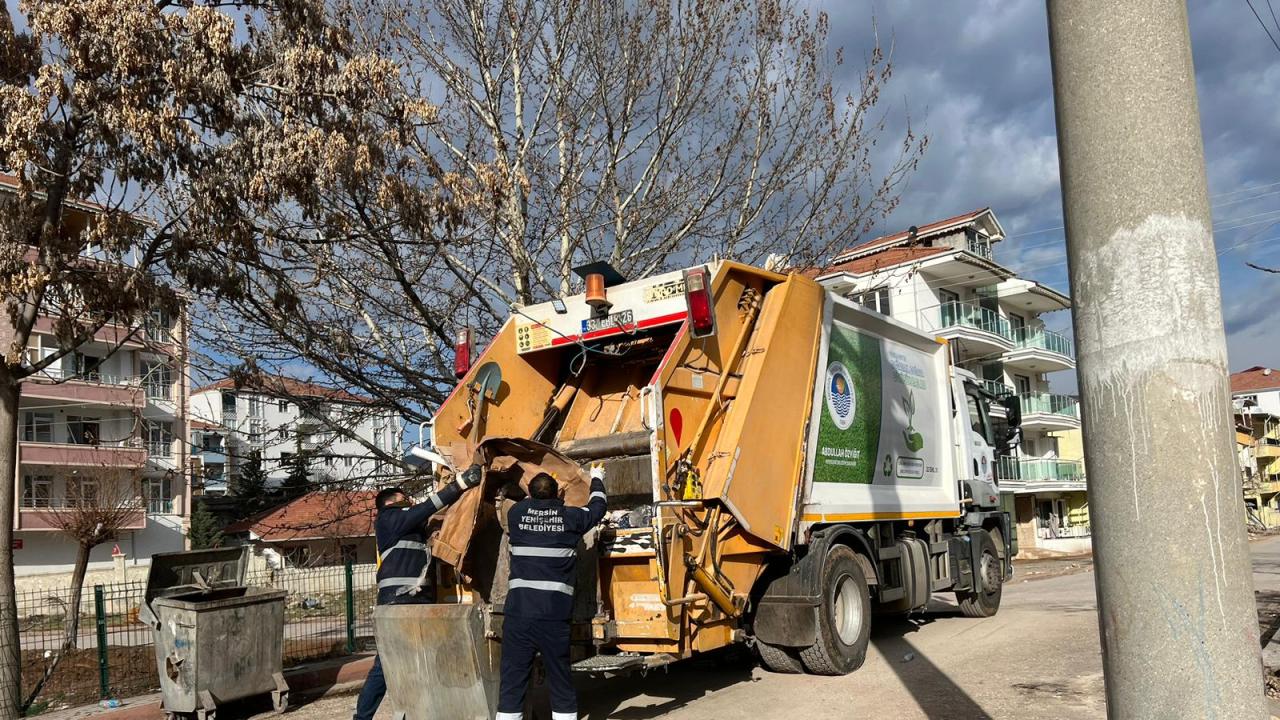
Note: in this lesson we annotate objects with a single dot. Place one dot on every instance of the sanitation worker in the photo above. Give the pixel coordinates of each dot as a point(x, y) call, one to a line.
point(402, 557)
point(544, 535)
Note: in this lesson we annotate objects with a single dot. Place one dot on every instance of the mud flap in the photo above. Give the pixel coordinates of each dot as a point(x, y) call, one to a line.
point(437, 661)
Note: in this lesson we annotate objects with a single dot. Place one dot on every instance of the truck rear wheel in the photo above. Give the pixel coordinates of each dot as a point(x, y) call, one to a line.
point(779, 659)
point(844, 617)
point(985, 601)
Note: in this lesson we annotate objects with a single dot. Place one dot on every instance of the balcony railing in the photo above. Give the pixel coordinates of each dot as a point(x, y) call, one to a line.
point(159, 448)
point(1040, 469)
point(29, 502)
point(959, 314)
point(997, 388)
point(159, 506)
point(1047, 403)
point(1026, 337)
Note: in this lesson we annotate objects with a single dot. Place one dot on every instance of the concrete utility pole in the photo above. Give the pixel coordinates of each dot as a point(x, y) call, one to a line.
point(1175, 591)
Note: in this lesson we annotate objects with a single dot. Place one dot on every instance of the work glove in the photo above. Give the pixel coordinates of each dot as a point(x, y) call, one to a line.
point(471, 476)
point(597, 471)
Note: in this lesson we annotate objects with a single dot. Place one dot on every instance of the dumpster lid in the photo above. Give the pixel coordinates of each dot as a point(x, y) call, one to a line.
point(178, 572)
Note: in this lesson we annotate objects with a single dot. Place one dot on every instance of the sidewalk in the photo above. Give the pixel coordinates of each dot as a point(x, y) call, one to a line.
point(306, 682)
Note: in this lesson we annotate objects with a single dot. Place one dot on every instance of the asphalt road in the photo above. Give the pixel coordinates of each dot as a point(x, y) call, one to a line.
point(1038, 658)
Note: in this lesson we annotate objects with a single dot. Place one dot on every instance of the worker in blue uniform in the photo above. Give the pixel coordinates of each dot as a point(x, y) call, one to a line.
point(544, 534)
point(402, 557)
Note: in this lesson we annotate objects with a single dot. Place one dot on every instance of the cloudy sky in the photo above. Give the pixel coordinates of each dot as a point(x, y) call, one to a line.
point(975, 76)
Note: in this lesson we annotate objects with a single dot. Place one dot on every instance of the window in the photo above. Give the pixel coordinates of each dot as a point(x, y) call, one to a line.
point(949, 303)
point(255, 407)
point(160, 439)
point(83, 430)
point(228, 404)
point(159, 496)
point(348, 461)
point(978, 243)
point(282, 405)
point(82, 492)
point(37, 427)
point(1024, 384)
point(877, 300)
point(1018, 325)
point(978, 419)
point(158, 326)
point(86, 367)
point(157, 379)
point(36, 490)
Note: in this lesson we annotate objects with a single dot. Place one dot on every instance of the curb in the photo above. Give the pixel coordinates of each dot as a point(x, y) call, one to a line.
point(313, 681)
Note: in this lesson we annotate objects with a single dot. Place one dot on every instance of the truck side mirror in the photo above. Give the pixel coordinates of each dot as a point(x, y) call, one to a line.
point(1012, 410)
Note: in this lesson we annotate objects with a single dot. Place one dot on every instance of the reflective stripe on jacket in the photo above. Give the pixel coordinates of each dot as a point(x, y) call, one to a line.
point(544, 537)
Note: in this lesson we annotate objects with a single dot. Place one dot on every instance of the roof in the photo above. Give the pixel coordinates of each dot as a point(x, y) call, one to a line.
point(322, 515)
point(9, 181)
point(1254, 379)
point(202, 425)
point(885, 259)
point(280, 386)
point(934, 228)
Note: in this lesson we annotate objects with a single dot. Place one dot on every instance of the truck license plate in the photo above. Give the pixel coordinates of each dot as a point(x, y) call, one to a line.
point(621, 319)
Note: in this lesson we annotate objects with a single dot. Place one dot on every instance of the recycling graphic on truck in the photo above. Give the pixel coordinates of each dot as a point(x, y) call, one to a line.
point(873, 430)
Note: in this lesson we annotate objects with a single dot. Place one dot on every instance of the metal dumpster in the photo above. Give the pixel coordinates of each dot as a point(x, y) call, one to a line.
point(438, 661)
point(216, 640)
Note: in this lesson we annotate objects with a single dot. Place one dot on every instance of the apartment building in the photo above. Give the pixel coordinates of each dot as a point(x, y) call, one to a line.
point(1255, 400)
point(341, 434)
point(103, 426)
point(943, 278)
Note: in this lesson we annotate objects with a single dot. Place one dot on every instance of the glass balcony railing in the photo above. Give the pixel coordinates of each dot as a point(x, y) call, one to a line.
point(1040, 469)
point(959, 314)
point(1025, 337)
point(1050, 404)
point(997, 388)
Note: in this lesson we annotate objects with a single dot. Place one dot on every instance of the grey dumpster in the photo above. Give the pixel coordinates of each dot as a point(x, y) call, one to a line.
point(216, 640)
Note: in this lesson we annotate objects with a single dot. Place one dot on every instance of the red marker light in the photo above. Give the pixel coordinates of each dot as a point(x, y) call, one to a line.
point(462, 352)
point(697, 294)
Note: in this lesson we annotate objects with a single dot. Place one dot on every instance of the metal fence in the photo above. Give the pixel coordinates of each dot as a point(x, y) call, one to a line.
point(328, 612)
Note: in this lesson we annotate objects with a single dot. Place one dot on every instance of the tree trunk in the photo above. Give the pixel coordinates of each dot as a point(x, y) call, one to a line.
point(10, 652)
point(77, 590)
point(71, 638)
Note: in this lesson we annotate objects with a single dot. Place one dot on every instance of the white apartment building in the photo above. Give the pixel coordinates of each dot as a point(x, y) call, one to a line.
point(943, 278)
point(342, 434)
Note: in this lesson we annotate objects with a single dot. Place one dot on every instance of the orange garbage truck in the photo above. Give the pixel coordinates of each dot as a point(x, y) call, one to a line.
point(782, 465)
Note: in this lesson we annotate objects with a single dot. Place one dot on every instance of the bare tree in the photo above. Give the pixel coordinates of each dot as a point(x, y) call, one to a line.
point(649, 134)
point(119, 125)
point(95, 506)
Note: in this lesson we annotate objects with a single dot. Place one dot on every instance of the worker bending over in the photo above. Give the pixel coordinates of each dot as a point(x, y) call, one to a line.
point(544, 535)
point(401, 532)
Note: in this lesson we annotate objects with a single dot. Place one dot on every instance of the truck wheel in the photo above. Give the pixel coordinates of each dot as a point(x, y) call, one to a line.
point(984, 602)
point(779, 659)
point(844, 617)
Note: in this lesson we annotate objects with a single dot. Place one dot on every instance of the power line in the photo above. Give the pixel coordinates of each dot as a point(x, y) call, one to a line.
point(1265, 29)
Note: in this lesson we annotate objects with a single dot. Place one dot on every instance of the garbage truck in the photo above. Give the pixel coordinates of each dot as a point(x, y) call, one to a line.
point(782, 465)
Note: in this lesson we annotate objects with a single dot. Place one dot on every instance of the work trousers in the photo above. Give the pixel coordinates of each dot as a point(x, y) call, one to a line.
point(375, 686)
point(522, 639)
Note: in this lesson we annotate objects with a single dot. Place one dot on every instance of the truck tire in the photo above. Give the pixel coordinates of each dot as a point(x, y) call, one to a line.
point(984, 602)
point(844, 617)
point(779, 659)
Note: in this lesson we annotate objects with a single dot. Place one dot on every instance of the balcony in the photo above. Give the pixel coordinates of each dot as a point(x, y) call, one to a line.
point(1047, 412)
point(160, 455)
point(128, 455)
point(97, 389)
point(53, 513)
point(983, 330)
point(1040, 350)
point(998, 389)
point(1041, 474)
point(1267, 448)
